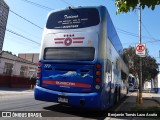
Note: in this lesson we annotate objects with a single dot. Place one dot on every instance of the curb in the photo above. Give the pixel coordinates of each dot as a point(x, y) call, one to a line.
point(4, 93)
point(158, 102)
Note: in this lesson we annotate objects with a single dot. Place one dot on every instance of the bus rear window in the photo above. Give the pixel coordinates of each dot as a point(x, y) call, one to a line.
point(73, 18)
point(69, 53)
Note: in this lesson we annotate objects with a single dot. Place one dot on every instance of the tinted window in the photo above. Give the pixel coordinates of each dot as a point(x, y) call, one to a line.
point(113, 36)
point(69, 53)
point(73, 18)
point(108, 66)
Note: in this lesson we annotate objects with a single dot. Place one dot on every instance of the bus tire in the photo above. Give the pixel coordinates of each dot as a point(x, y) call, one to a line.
point(119, 94)
point(116, 96)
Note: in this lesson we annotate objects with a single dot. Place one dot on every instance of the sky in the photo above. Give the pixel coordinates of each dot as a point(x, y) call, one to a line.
point(126, 24)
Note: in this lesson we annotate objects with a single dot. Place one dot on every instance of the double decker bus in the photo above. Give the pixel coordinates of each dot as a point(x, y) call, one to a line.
point(81, 61)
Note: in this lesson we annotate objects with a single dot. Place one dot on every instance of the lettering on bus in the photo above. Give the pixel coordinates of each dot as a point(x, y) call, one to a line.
point(62, 83)
point(70, 16)
point(65, 83)
point(73, 19)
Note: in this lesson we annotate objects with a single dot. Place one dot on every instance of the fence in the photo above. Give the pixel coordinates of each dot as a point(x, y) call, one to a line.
point(16, 81)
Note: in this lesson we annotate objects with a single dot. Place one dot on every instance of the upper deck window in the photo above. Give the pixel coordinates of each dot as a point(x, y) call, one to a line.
point(73, 18)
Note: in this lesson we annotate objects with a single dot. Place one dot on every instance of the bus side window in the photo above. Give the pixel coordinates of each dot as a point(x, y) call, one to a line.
point(123, 75)
point(108, 66)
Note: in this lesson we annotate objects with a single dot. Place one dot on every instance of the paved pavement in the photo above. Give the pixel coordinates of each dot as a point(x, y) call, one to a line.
point(14, 91)
point(149, 100)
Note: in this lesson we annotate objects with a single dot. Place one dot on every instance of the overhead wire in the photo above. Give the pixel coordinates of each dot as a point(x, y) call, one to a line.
point(146, 30)
point(38, 5)
point(24, 31)
point(22, 36)
point(28, 47)
point(22, 17)
point(151, 37)
point(136, 35)
point(12, 38)
point(67, 3)
point(45, 7)
point(125, 32)
point(25, 19)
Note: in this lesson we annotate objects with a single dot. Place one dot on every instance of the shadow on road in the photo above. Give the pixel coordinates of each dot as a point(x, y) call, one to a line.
point(13, 89)
point(60, 110)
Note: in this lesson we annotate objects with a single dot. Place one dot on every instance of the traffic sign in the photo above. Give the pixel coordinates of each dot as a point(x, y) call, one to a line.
point(141, 50)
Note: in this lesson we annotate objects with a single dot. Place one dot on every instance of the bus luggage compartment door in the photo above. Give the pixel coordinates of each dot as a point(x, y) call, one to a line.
point(68, 77)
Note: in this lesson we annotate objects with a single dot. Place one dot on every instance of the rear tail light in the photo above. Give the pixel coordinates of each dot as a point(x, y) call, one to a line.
point(98, 74)
point(98, 80)
point(97, 87)
point(39, 64)
point(38, 75)
point(38, 69)
point(38, 72)
point(98, 66)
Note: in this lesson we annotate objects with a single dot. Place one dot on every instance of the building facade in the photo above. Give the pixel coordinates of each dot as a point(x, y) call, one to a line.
point(156, 83)
point(4, 10)
point(12, 65)
point(32, 57)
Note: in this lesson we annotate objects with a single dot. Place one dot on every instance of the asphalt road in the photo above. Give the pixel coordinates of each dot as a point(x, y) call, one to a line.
point(26, 102)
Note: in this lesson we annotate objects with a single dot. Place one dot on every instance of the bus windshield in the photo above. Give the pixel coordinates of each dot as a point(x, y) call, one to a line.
point(69, 53)
point(73, 18)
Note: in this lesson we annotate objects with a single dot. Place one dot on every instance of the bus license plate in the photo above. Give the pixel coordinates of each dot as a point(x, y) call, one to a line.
point(62, 100)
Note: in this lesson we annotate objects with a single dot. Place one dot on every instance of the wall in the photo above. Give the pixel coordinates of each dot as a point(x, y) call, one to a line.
point(16, 82)
point(17, 64)
point(33, 57)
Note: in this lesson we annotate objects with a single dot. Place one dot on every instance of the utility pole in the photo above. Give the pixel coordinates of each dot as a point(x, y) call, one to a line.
point(140, 41)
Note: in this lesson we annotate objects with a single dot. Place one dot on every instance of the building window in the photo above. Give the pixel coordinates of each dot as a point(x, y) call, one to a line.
point(32, 72)
point(23, 71)
point(8, 69)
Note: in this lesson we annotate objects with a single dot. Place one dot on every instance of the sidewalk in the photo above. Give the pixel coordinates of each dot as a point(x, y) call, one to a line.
point(14, 91)
point(151, 101)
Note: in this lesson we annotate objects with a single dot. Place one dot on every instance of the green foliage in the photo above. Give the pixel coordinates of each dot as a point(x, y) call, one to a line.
point(149, 65)
point(128, 5)
point(9, 52)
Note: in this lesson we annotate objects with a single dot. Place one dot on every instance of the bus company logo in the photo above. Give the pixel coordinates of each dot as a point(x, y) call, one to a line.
point(65, 83)
point(62, 83)
point(70, 16)
point(69, 40)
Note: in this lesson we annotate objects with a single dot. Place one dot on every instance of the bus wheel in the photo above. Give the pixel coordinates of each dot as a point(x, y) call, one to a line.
point(116, 97)
point(127, 91)
point(119, 94)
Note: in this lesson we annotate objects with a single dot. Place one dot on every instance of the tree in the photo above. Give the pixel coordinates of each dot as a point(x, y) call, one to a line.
point(128, 5)
point(9, 52)
point(149, 65)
